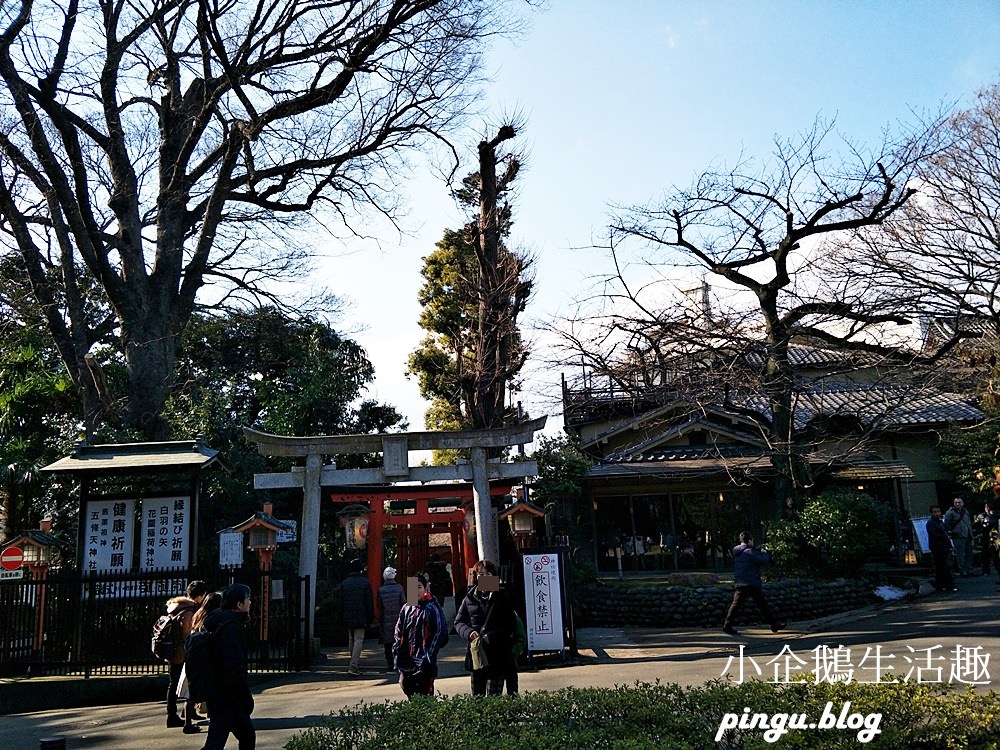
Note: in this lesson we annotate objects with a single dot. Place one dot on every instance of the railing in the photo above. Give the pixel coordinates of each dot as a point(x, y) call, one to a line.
point(73, 623)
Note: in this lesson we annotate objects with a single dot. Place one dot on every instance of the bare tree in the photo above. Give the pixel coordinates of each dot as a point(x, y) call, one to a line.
point(168, 146)
point(758, 233)
point(943, 249)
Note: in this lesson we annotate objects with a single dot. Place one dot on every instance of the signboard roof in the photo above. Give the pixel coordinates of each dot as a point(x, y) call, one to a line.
point(180, 455)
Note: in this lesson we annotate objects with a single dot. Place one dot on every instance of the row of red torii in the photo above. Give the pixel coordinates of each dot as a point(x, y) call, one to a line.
point(316, 476)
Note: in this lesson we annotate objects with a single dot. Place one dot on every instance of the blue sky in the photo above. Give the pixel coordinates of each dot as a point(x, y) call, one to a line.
point(625, 99)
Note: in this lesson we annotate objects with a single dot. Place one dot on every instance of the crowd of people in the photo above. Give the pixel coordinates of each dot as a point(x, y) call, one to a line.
point(951, 537)
point(208, 659)
point(413, 627)
point(216, 674)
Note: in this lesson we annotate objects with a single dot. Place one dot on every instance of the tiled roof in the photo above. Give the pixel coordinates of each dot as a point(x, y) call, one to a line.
point(877, 406)
point(739, 461)
point(678, 467)
point(686, 453)
point(808, 356)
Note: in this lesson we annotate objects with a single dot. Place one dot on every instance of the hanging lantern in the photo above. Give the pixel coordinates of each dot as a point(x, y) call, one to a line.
point(354, 519)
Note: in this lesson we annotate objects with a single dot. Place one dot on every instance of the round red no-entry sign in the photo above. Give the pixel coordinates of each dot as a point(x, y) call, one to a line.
point(11, 558)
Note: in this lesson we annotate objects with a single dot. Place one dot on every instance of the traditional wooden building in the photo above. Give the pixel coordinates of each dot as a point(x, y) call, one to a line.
point(675, 479)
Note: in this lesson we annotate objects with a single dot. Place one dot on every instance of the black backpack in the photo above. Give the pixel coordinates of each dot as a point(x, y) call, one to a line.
point(198, 664)
point(167, 636)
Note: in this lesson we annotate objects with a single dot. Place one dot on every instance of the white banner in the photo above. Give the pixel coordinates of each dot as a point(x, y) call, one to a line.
point(164, 533)
point(543, 602)
point(109, 532)
point(230, 549)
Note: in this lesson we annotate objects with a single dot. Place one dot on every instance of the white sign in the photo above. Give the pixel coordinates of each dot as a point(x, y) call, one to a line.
point(230, 549)
point(109, 532)
point(543, 602)
point(7, 575)
point(164, 533)
point(287, 535)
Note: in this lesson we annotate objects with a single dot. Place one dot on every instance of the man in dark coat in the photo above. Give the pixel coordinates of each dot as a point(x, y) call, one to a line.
point(230, 702)
point(940, 544)
point(747, 562)
point(486, 620)
point(358, 610)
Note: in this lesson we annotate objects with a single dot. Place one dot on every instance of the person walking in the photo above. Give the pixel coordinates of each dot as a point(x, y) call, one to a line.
point(183, 607)
point(227, 691)
point(747, 563)
point(357, 609)
point(958, 523)
point(940, 546)
point(391, 600)
point(485, 619)
point(420, 634)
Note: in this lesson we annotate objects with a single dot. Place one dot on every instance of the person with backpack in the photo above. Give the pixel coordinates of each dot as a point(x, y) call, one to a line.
point(226, 687)
point(169, 634)
point(421, 632)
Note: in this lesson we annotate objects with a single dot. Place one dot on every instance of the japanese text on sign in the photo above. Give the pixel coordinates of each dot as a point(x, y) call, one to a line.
point(108, 536)
point(165, 533)
point(543, 602)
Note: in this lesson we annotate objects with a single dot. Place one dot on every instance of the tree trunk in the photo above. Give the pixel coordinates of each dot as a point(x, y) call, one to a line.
point(150, 354)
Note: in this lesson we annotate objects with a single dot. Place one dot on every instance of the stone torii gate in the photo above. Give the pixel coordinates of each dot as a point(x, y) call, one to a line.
point(395, 448)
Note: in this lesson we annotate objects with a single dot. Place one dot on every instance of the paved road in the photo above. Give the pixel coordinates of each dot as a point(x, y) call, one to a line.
point(930, 638)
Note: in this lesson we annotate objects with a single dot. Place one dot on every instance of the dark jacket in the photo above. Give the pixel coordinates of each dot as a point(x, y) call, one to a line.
point(491, 615)
point(228, 689)
point(937, 536)
point(440, 580)
point(356, 604)
point(420, 633)
point(747, 563)
point(958, 523)
point(391, 599)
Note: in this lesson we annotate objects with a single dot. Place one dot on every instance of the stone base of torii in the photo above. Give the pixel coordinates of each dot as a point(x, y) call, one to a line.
point(395, 449)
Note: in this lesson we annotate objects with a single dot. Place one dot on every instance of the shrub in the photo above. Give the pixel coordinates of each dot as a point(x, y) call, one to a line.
point(648, 716)
point(831, 537)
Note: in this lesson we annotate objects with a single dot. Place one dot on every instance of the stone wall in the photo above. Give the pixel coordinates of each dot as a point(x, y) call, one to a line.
point(679, 606)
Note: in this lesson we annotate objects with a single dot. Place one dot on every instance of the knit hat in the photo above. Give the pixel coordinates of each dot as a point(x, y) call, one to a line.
point(389, 574)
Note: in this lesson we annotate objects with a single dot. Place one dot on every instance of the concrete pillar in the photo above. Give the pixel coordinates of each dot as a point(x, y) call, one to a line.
point(487, 537)
point(309, 543)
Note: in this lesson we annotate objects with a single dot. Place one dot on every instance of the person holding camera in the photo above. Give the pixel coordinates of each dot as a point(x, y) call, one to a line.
point(747, 562)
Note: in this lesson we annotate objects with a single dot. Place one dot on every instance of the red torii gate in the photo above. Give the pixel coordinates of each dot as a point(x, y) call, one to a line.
point(408, 506)
point(395, 449)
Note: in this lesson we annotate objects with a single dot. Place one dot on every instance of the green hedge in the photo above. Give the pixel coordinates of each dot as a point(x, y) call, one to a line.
point(648, 716)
